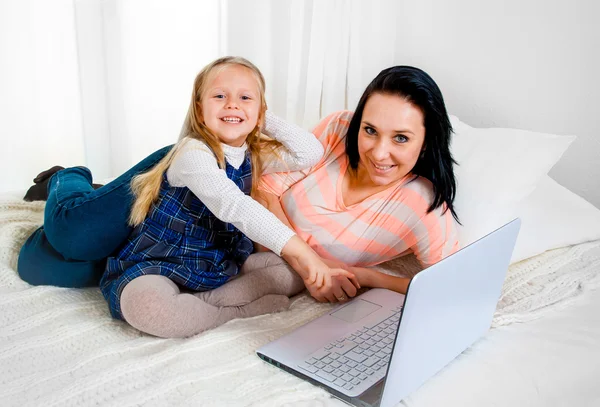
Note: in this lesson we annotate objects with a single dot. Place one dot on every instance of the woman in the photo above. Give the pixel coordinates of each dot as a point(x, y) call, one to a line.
point(390, 192)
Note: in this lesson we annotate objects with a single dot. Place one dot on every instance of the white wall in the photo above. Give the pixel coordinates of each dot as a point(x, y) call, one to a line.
point(39, 90)
point(529, 64)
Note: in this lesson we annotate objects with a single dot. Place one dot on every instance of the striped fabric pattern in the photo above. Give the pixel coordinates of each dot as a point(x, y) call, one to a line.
point(387, 225)
point(182, 240)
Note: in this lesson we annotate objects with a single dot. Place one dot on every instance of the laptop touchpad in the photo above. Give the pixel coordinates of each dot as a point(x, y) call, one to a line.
point(355, 310)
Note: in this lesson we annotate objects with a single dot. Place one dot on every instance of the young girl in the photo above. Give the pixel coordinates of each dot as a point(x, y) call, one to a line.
point(193, 216)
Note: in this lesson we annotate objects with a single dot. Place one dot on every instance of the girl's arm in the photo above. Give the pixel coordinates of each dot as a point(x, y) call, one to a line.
point(271, 202)
point(301, 149)
point(196, 168)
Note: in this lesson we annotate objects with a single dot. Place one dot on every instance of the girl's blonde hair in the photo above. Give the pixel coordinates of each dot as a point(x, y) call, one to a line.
point(146, 187)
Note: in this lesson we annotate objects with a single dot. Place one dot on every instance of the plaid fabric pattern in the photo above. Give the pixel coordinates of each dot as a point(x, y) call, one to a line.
point(182, 240)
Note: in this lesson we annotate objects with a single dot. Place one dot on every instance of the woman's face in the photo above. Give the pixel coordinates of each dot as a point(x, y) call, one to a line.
point(390, 139)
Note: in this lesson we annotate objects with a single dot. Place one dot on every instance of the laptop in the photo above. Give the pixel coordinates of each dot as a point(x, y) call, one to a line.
point(381, 346)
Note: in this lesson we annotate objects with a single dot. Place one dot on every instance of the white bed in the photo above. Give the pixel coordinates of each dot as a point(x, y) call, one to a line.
point(59, 347)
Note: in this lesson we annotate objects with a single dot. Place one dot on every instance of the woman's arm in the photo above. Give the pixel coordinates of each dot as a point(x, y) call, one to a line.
point(341, 284)
point(375, 279)
point(366, 277)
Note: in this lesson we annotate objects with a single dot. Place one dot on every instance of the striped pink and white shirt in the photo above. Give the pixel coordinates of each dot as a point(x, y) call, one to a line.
point(388, 224)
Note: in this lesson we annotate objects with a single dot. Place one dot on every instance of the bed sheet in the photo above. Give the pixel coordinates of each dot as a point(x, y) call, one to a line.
point(59, 347)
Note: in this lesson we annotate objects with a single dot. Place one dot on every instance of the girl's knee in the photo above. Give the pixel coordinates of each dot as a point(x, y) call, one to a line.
point(148, 303)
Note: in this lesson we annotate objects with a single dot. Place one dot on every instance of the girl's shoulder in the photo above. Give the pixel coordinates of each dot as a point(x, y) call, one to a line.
point(195, 144)
point(191, 154)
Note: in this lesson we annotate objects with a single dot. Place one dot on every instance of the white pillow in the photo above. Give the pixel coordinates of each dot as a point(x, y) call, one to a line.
point(497, 169)
point(553, 217)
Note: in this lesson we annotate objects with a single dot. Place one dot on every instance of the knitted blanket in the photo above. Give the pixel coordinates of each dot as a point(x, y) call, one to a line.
point(60, 347)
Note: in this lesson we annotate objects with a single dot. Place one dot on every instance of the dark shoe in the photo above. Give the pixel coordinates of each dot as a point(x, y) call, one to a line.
point(44, 175)
point(39, 190)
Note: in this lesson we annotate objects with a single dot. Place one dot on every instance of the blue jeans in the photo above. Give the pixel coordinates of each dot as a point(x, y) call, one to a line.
point(82, 227)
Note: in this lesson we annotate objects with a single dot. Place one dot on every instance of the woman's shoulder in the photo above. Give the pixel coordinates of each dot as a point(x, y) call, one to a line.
point(333, 128)
point(341, 117)
point(420, 190)
point(419, 193)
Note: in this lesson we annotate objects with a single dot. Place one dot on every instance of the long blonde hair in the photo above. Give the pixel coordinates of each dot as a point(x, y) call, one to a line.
point(146, 187)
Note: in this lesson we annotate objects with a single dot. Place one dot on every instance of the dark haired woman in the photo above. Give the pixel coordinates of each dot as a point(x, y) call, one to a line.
point(384, 188)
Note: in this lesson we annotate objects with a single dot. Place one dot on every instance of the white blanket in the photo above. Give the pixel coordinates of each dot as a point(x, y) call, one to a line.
point(59, 347)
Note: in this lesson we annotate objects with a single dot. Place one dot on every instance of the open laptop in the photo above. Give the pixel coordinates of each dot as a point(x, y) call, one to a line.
point(381, 346)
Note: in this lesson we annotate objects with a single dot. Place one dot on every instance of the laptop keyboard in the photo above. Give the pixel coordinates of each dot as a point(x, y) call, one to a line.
point(359, 357)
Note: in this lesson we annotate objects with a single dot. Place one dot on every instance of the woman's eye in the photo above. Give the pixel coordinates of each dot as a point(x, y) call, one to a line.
point(369, 130)
point(400, 138)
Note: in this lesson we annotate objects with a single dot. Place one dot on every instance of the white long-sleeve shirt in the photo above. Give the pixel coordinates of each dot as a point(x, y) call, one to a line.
point(196, 167)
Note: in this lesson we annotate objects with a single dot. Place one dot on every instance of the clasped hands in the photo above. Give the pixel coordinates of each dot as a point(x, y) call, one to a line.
point(338, 284)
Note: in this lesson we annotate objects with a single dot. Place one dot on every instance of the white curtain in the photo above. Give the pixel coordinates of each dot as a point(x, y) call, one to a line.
point(103, 83)
point(138, 60)
point(317, 56)
point(40, 109)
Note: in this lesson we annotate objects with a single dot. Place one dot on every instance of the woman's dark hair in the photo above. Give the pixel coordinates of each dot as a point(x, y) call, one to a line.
point(436, 162)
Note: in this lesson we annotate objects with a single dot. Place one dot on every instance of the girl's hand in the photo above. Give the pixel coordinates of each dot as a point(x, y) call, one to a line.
point(322, 280)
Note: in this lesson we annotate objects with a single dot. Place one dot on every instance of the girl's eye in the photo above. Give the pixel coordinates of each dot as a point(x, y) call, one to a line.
point(246, 98)
point(400, 138)
point(369, 130)
point(220, 96)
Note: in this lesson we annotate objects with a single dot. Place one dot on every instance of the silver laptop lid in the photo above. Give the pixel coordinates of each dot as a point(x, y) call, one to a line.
point(448, 306)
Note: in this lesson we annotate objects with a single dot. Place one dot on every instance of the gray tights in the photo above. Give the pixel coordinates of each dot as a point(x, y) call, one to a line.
point(155, 305)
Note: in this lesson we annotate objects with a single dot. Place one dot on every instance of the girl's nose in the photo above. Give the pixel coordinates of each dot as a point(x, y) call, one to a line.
point(231, 104)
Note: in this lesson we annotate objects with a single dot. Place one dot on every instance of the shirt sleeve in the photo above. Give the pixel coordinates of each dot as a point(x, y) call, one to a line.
point(196, 168)
point(300, 150)
point(437, 236)
point(330, 132)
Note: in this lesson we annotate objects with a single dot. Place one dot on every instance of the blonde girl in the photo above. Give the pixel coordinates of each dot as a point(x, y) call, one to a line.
point(194, 217)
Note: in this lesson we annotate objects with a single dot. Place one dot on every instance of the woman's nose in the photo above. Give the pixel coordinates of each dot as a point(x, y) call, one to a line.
point(380, 150)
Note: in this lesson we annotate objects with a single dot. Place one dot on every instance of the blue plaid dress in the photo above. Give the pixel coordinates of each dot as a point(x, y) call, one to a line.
point(182, 240)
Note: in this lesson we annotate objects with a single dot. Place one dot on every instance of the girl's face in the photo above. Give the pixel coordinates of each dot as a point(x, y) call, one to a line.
point(390, 139)
point(231, 104)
